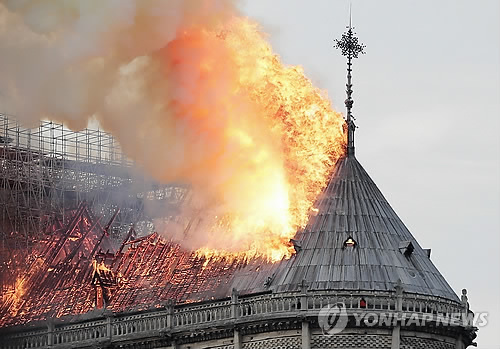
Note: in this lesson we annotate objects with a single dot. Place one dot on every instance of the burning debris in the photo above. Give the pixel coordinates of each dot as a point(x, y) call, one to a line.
point(76, 270)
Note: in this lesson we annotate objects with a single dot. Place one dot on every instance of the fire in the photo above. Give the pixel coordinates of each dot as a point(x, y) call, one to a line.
point(194, 94)
point(17, 295)
point(99, 266)
point(19, 289)
point(274, 137)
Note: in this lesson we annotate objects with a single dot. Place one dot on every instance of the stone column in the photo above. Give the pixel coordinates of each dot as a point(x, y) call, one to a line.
point(306, 335)
point(50, 332)
point(396, 337)
point(238, 343)
point(169, 307)
point(234, 303)
point(459, 344)
point(396, 330)
point(109, 324)
point(303, 295)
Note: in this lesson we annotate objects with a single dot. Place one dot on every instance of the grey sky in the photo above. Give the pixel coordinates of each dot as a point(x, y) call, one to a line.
point(427, 102)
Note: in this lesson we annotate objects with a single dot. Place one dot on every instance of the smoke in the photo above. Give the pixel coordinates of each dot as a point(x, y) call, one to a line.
point(193, 94)
point(61, 59)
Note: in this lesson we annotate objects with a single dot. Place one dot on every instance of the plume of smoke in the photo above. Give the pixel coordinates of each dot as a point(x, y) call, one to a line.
point(154, 74)
point(61, 59)
point(79, 60)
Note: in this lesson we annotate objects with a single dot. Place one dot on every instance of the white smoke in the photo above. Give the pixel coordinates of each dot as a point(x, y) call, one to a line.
point(61, 59)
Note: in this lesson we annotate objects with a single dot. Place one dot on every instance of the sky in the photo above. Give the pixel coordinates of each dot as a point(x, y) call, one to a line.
point(427, 103)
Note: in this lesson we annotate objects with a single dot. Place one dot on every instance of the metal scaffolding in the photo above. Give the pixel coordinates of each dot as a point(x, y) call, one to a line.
point(46, 172)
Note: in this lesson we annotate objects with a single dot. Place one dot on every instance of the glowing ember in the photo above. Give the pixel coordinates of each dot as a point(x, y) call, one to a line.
point(19, 291)
point(275, 137)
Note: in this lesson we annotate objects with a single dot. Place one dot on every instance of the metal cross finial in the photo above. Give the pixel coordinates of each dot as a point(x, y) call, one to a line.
point(350, 48)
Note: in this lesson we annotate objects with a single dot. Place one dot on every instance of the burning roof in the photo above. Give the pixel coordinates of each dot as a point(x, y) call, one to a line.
point(76, 270)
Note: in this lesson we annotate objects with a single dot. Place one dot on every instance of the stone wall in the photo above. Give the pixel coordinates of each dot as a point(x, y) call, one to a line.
point(275, 340)
point(352, 339)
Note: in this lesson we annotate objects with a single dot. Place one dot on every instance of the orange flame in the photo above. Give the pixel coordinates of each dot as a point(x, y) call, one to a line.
point(214, 108)
point(17, 295)
point(273, 138)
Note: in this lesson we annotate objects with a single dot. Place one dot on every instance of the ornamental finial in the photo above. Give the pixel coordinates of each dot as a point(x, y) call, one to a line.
point(350, 48)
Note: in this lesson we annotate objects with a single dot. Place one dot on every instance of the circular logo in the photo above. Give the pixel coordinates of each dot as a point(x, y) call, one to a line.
point(333, 318)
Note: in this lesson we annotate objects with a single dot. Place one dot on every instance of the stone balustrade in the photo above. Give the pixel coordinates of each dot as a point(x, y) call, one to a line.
point(31, 339)
point(199, 314)
point(238, 310)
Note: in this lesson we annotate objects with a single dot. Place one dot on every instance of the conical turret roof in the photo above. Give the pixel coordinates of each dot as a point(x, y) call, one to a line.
point(384, 250)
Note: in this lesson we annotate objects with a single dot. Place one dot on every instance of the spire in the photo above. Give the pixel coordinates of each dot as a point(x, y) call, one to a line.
point(350, 48)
